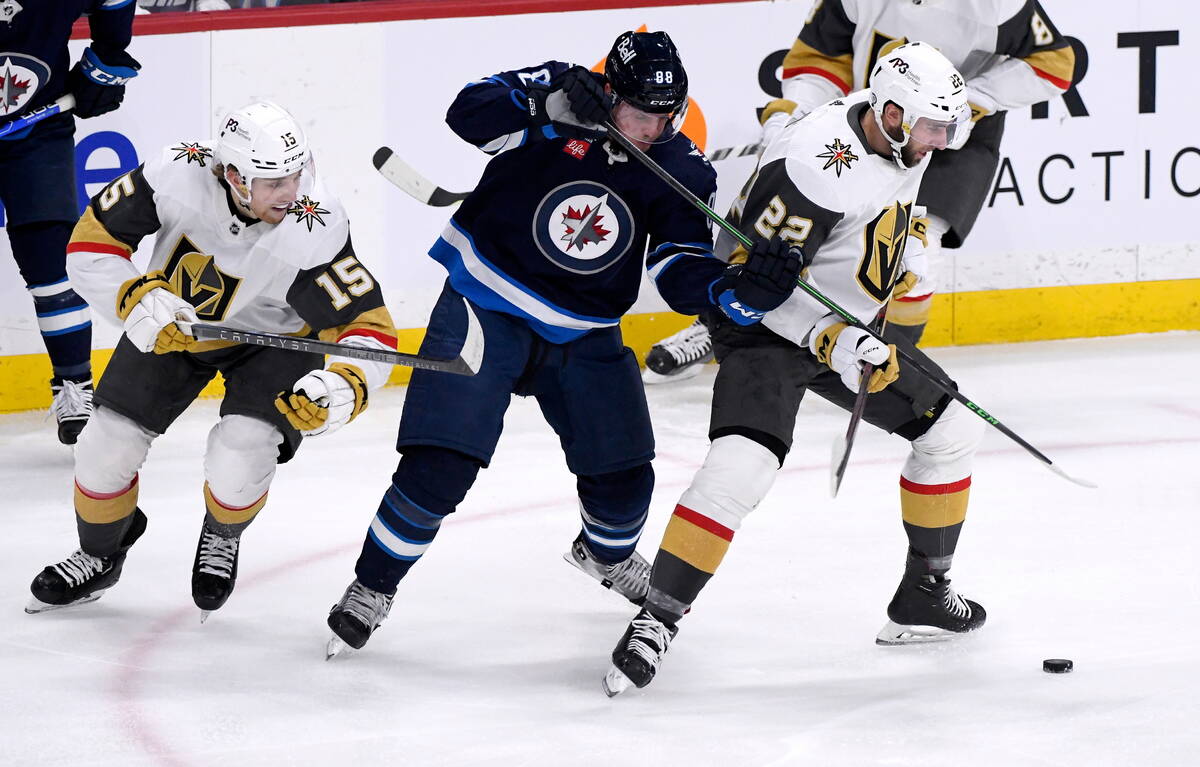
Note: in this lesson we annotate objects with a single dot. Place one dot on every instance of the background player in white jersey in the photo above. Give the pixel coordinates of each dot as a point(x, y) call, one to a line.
point(247, 236)
point(841, 184)
point(1010, 54)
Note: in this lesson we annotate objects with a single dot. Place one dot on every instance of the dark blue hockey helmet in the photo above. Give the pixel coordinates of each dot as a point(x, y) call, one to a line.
point(645, 71)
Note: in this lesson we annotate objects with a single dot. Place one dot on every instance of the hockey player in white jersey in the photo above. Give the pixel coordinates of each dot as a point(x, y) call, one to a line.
point(1009, 53)
point(246, 235)
point(841, 184)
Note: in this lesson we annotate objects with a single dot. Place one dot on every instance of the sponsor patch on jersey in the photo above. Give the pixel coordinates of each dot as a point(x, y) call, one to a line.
point(21, 76)
point(577, 148)
point(583, 227)
point(308, 211)
point(193, 153)
point(839, 156)
point(9, 9)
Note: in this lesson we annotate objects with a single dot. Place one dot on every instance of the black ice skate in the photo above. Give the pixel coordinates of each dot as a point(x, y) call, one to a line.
point(214, 572)
point(629, 578)
point(679, 356)
point(637, 655)
point(355, 617)
point(72, 407)
point(927, 609)
point(82, 577)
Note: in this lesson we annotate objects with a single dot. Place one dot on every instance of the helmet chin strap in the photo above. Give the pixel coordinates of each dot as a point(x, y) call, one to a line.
point(897, 157)
point(234, 188)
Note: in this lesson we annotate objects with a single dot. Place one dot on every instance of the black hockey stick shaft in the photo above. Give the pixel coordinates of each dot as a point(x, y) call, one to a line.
point(849, 318)
point(843, 446)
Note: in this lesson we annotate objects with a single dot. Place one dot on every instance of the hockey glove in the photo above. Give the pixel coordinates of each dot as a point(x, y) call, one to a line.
point(99, 84)
point(746, 292)
point(844, 349)
point(552, 108)
point(324, 400)
point(916, 284)
point(773, 117)
point(149, 310)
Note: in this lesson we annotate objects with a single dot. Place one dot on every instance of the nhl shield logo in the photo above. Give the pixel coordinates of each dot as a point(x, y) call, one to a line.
point(21, 76)
point(583, 227)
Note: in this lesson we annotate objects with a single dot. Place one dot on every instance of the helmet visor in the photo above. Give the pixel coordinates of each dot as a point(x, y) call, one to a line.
point(647, 127)
point(937, 133)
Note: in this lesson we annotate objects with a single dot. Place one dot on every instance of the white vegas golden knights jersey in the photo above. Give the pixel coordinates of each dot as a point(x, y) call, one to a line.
point(294, 277)
point(1008, 50)
point(820, 186)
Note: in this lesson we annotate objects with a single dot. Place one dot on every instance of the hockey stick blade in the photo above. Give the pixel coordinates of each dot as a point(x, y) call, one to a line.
point(1077, 480)
point(466, 363)
point(408, 179)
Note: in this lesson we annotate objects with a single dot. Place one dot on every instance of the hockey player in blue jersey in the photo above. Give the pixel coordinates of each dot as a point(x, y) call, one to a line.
point(37, 169)
point(549, 250)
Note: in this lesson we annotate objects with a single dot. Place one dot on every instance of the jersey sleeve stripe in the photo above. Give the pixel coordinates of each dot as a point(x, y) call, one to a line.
point(789, 73)
point(99, 247)
point(384, 338)
point(1056, 66)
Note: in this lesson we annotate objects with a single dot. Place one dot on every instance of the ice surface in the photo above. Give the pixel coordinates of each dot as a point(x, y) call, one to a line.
point(495, 648)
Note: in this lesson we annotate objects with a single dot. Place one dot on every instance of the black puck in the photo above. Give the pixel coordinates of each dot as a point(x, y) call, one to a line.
point(1057, 665)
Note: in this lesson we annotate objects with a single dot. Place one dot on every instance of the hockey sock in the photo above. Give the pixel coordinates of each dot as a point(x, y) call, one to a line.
point(103, 518)
point(613, 508)
point(692, 548)
point(63, 316)
point(933, 516)
point(229, 521)
point(428, 484)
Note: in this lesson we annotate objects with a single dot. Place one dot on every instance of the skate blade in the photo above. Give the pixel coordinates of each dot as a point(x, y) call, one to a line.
point(334, 647)
point(36, 605)
point(615, 682)
point(606, 583)
point(691, 371)
point(204, 616)
point(894, 634)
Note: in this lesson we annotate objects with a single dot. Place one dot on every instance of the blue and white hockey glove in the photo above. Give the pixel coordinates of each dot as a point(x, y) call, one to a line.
point(574, 106)
point(746, 292)
point(99, 84)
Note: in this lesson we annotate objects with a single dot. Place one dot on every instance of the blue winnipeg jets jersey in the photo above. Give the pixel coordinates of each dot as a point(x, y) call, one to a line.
point(33, 46)
point(557, 230)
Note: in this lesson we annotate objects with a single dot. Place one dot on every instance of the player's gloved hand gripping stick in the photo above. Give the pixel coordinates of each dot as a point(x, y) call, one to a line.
point(946, 387)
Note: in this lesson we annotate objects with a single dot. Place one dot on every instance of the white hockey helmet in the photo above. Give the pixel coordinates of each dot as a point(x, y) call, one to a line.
point(262, 140)
point(933, 95)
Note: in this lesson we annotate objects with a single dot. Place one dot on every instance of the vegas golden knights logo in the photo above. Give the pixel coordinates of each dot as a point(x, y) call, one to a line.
point(883, 248)
point(196, 279)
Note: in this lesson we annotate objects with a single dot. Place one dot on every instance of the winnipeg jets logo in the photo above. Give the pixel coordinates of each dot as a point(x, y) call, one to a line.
point(308, 211)
point(583, 227)
point(838, 156)
point(193, 153)
point(20, 78)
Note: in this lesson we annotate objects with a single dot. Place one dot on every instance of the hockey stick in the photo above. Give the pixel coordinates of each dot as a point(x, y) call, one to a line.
point(724, 153)
point(466, 363)
point(845, 442)
point(407, 178)
point(62, 104)
point(946, 387)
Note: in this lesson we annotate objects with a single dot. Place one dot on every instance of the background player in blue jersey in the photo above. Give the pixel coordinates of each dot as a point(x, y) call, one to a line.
point(37, 168)
point(549, 250)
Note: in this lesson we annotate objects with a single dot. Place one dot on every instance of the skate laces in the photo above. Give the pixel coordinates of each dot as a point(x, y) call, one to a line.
point(79, 567)
point(689, 344)
point(649, 640)
point(954, 604)
point(217, 554)
point(72, 400)
point(630, 576)
point(367, 605)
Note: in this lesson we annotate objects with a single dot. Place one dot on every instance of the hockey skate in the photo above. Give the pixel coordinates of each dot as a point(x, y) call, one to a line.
point(72, 407)
point(927, 609)
point(214, 571)
point(82, 577)
point(637, 656)
point(629, 578)
point(355, 617)
point(679, 356)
